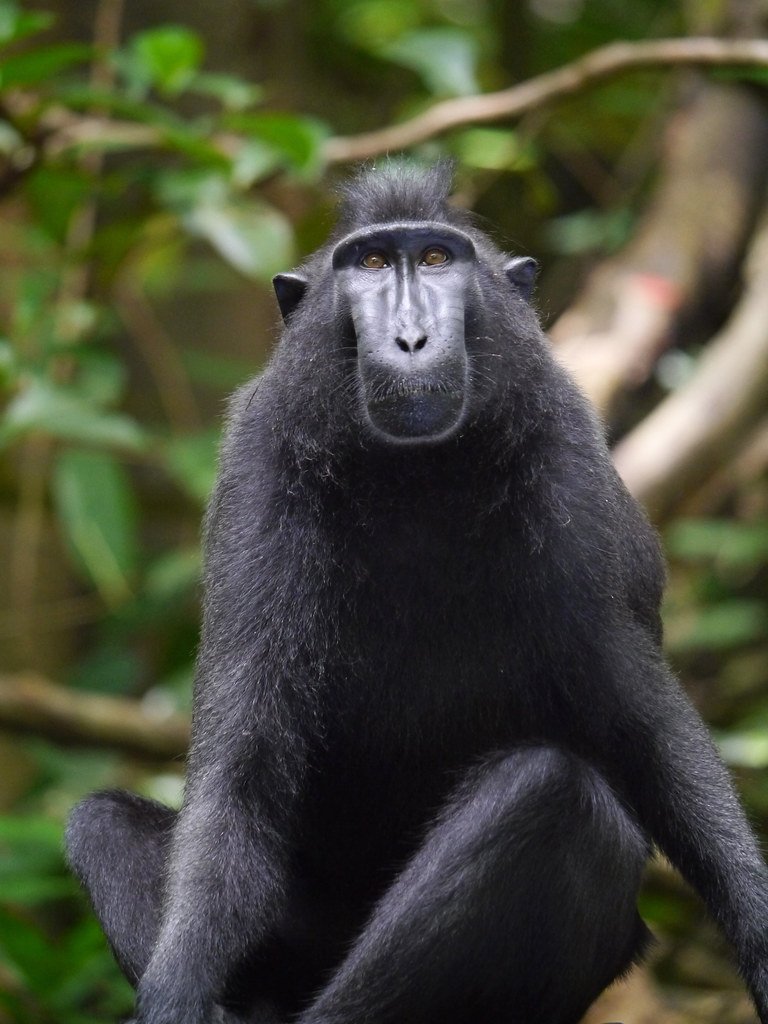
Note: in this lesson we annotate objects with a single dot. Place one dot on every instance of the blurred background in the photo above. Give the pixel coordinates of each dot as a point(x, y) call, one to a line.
point(159, 161)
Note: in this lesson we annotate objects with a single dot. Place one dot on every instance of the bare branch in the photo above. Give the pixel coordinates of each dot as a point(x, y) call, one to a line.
point(605, 62)
point(31, 704)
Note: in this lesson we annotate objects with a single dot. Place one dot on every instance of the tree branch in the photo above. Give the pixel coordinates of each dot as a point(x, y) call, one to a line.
point(702, 425)
point(31, 704)
point(62, 130)
point(677, 263)
point(600, 64)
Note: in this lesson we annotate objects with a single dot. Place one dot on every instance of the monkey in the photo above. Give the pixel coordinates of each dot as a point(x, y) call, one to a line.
point(434, 736)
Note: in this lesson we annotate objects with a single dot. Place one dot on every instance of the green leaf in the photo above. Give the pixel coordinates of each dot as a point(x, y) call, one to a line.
point(721, 627)
point(494, 149)
point(63, 413)
point(233, 93)
point(370, 24)
point(723, 541)
point(252, 236)
point(173, 576)
point(25, 946)
point(41, 64)
point(83, 97)
point(745, 73)
point(444, 58)
point(297, 140)
point(587, 230)
point(8, 365)
point(182, 190)
point(745, 749)
point(101, 376)
point(96, 509)
point(39, 831)
point(166, 58)
point(16, 24)
point(54, 192)
point(192, 461)
point(31, 889)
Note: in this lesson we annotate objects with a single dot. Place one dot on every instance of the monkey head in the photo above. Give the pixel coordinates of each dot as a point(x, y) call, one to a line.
point(405, 292)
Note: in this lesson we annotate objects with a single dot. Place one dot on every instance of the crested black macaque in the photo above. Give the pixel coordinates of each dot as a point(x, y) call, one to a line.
point(434, 733)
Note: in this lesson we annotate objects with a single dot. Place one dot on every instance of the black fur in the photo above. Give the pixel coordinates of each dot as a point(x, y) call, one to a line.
point(434, 733)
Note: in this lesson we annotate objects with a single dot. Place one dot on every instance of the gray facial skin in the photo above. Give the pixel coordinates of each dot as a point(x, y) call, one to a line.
point(405, 288)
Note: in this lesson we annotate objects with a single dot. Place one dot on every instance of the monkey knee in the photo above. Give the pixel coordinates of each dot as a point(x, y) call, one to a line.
point(112, 821)
point(555, 790)
point(91, 822)
point(536, 770)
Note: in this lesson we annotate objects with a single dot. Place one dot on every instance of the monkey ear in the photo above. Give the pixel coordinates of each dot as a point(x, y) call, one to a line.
point(521, 271)
point(289, 289)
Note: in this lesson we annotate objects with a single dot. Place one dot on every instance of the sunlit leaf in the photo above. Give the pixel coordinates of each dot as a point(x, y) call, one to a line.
point(254, 237)
point(233, 93)
point(494, 149)
point(444, 58)
point(253, 161)
point(745, 749)
point(298, 140)
point(165, 58)
point(96, 509)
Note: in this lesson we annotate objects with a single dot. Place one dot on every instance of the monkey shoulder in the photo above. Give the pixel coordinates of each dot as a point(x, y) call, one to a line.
point(600, 540)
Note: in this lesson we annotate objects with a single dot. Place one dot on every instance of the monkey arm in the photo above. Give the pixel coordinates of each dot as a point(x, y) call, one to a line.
point(684, 798)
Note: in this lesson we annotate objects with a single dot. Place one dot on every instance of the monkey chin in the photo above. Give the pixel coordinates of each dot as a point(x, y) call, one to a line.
point(423, 417)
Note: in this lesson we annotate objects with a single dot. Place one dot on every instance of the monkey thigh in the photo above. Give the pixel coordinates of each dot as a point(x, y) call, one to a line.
point(519, 905)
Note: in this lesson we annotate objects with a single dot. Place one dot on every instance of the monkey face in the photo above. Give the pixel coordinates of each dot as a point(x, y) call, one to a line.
point(405, 290)
point(408, 303)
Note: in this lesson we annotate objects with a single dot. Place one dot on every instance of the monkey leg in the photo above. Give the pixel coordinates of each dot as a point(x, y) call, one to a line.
point(117, 846)
point(518, 907)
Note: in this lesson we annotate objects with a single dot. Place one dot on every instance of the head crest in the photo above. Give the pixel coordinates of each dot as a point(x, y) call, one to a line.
point(397, 190)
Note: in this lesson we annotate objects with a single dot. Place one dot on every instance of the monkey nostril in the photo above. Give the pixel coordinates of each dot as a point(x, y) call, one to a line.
point(415, 345)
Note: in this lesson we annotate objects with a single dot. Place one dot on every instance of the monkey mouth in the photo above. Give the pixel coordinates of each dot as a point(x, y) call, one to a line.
point(415, 409)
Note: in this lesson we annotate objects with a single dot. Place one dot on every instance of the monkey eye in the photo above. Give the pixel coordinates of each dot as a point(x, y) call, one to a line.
point(434, 257)
point(374, 261)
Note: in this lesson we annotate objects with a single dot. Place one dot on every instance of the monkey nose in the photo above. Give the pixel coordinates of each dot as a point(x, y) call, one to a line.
point(411, 340)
